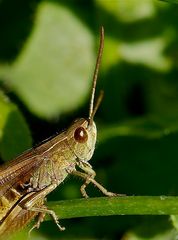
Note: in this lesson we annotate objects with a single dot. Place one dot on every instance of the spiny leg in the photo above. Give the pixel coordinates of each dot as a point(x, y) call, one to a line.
point(33, 203)
point(44, 210)
point(83, 187)
point(89, 179)
point(86, 167)
point(40, 219)
point(91, 174)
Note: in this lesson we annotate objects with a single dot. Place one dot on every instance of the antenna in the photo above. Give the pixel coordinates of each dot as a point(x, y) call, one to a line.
point(92, 109)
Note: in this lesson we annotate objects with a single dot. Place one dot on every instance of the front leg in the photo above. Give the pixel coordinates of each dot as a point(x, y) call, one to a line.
point(89, 175)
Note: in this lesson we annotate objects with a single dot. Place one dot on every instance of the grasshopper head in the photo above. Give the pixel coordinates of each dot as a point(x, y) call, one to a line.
point(82, 138)
point(82, 134)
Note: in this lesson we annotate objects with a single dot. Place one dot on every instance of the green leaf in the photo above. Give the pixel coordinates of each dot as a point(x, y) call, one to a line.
point(170, 1)
point(147, 127)
point(52, 74)
point(105, 206)
point(174, 220)
point(109, 206)
point(14, 133)
point(164, 235)
point(149, 52)
point(129, 11)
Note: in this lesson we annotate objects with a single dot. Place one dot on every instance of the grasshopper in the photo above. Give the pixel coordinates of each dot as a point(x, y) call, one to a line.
point(26, 181)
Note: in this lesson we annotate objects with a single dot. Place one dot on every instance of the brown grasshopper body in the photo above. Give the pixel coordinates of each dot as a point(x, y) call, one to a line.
point(27, 180)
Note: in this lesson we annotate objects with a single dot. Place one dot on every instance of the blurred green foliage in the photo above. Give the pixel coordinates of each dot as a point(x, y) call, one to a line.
point(47, 57)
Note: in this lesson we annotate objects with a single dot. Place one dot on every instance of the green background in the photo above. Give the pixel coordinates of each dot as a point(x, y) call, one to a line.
point(47, 56)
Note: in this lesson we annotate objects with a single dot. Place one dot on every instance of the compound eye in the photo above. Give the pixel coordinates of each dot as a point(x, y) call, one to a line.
point(81, 135)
